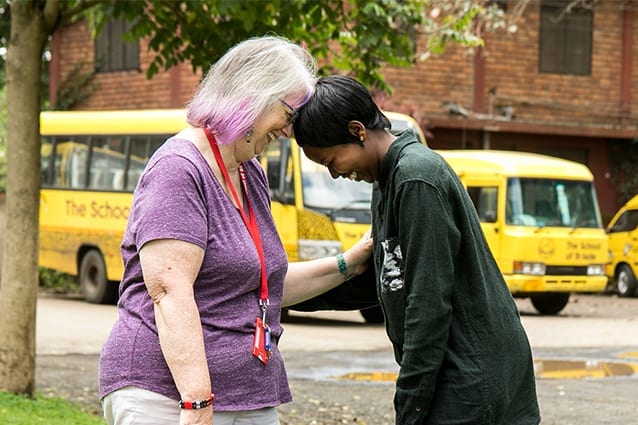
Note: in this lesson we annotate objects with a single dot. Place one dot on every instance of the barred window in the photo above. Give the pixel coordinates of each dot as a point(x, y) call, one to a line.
point(112, 52)
point(565, 38)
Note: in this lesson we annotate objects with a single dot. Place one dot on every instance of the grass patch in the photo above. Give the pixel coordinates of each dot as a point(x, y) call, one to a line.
point(22, 410)
point(56, 282)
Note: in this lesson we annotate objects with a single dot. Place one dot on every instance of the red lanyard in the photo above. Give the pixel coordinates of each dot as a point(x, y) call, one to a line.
point(249, 218)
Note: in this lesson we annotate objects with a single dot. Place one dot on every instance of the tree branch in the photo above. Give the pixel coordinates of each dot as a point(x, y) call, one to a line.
point(585, 4)
point(51, 15)
point(67, 15)
point(519, 9)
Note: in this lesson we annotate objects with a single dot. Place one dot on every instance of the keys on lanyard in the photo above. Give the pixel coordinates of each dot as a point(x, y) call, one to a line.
point(261, 341)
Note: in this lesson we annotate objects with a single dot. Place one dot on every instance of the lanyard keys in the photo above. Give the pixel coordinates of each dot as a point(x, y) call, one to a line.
point(261, 341)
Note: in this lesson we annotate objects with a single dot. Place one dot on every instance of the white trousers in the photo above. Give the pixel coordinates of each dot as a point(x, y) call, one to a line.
point(136, 406)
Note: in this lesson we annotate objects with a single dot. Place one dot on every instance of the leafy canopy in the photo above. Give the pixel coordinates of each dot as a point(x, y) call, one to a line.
point(356, 37)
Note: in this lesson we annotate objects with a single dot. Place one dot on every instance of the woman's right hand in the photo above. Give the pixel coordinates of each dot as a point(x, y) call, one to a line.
point(357, 256)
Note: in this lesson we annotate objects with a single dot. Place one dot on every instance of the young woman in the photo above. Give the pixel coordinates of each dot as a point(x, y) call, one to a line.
point(464, 356)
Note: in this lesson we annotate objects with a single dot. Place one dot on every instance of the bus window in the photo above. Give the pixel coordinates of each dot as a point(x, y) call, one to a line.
point(107, 164)
point(484, 199)
point(321, 191)
point(273, 165)
point(551, 202)
point(46, 154)
point(627, 222)
point(70, 163)
point(141, 148)
point(278, 162)
point(144, 146)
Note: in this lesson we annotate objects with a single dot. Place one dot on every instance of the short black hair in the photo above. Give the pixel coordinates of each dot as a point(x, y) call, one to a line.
point(323, 121)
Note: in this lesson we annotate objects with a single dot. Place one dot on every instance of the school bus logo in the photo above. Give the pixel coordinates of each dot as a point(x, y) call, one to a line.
point(546, 248)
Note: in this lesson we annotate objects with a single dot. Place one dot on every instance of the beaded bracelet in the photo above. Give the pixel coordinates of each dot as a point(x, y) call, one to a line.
point(341, 263)
point(197, 404)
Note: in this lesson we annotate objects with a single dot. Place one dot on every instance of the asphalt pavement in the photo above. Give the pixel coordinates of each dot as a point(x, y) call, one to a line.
point(341, 370)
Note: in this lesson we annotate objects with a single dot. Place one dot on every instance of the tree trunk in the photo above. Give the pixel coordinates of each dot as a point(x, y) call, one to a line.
point(19, 273)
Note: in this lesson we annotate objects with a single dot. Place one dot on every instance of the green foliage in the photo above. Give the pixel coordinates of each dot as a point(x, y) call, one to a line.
point(356, 37)
point(5, 20)
point(21, 410)
point(456, 29)
point(57, 282)
point(77, 85)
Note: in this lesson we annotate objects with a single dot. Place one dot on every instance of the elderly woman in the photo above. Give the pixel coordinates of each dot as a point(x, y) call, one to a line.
point(205, 271)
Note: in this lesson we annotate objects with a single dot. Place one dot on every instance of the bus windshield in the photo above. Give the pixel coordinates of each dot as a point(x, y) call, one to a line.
point(551, 202)
point(320, 190)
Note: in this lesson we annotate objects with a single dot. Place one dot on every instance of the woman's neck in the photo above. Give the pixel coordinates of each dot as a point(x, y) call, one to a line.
point(229, 157)
point(227, 151)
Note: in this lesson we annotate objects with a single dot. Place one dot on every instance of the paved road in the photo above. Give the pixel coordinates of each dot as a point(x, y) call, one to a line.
point(69, 325)
point(331, 355)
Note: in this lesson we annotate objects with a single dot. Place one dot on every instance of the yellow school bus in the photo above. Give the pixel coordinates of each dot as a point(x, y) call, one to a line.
point(92, 160)
point(90, 163)
point(622, 232)
point(541, 219)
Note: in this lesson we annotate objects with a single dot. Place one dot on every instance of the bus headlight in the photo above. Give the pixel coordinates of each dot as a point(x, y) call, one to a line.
point(524, 267)
point(595, 270)
point(311, 249)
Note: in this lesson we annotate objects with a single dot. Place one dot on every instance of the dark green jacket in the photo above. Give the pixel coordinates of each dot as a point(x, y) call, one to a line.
point(456, 331)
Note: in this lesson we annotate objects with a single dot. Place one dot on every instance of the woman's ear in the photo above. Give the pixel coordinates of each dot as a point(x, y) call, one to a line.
point(358, 130)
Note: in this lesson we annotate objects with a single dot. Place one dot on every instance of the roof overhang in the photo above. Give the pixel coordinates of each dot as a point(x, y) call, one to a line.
point(504, 126)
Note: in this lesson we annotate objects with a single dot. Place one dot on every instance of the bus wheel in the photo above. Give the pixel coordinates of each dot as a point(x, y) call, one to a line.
point(372, 314)
point(625, 282)
point(96, 289)
point(550, 303)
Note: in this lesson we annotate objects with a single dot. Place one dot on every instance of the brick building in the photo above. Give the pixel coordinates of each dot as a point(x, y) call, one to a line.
point(560, 85)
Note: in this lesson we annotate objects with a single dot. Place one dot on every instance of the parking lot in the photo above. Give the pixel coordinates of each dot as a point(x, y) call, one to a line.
point(341, 369)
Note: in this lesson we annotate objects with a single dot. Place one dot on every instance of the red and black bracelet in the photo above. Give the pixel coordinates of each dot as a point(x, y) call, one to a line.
point(197, 404)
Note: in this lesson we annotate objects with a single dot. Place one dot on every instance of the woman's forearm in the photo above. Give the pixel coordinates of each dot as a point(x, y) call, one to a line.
point(170, 268)
point(307, 279)
point(182, 342)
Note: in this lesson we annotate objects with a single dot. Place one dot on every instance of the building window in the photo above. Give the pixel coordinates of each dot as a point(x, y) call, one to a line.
point(112, 52)
point(565, 38)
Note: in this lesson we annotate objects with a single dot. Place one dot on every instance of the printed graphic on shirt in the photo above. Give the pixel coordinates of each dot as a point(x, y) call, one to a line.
point(392, 270)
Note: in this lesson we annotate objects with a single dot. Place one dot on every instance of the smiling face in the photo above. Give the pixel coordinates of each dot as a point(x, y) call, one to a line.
point(270, 125)
point(348, 160)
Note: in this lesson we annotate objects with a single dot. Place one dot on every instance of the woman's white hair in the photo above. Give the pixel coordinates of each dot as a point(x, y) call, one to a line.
point(247, 81)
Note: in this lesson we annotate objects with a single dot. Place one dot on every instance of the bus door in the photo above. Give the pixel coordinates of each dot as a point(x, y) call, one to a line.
point(278, 163)
point(485, 194)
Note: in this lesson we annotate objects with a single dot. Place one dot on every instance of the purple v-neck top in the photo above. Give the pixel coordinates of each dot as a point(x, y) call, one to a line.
point(178, 197)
